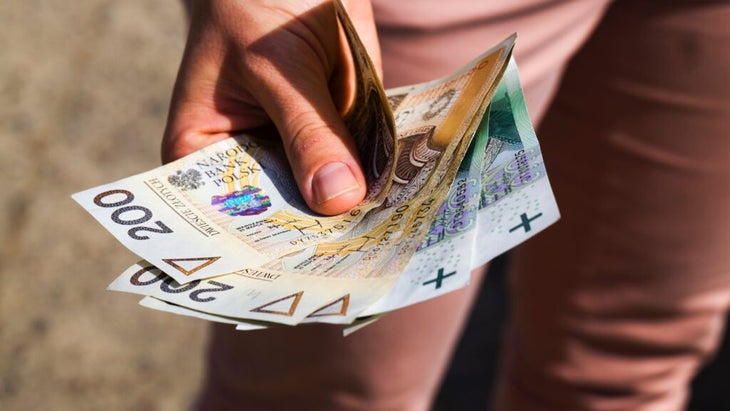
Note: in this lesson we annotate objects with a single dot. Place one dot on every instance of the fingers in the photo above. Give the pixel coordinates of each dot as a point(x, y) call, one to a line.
point(322, 156)
point(325, 166)
point(244, 68)
point(321, 153)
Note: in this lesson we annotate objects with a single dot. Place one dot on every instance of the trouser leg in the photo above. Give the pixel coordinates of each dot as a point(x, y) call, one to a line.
point(617, 305)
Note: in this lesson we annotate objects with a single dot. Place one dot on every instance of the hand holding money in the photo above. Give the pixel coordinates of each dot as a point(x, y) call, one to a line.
point(248, 64)
point(226, 234)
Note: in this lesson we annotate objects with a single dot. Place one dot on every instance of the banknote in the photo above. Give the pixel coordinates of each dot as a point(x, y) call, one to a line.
point(500, 198)
point(370, 120)
point(516, 200)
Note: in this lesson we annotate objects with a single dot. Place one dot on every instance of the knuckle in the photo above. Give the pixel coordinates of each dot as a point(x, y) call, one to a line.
point(309, 134)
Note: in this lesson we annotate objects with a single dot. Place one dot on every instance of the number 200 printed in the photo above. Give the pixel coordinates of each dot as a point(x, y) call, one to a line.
point(126, 214)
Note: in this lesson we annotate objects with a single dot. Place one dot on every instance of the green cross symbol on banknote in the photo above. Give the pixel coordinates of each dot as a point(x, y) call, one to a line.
point(526, 222)
point(440, 276)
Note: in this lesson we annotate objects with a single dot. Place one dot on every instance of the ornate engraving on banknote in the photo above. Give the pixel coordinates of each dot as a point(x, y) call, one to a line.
point(416, 151)
point(518, 165)
point(189, 179)
point(439, 105)
point(394, 101)
point(415, 162)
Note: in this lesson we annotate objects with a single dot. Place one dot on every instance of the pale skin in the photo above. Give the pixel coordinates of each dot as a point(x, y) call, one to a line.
point(255, 63)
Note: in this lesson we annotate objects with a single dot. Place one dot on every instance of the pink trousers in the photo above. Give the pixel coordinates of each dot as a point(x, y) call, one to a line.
point(615, 306)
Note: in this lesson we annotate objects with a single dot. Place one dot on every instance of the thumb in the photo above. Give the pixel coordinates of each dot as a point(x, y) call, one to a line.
point(248, 64)
point(296, 77)
point(322, 155)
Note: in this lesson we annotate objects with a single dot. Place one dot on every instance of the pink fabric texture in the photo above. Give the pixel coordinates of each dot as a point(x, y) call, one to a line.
point(618, 304)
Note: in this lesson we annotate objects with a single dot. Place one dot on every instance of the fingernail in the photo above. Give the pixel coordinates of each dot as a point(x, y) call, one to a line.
point(333, 180)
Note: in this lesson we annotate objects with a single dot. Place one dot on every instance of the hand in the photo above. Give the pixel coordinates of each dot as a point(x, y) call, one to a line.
point(253, 63)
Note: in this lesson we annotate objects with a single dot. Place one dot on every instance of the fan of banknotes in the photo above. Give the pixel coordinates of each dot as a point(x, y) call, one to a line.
point(455, 178)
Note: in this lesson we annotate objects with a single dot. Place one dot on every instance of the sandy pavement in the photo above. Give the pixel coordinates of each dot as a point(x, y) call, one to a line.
point(84, 88)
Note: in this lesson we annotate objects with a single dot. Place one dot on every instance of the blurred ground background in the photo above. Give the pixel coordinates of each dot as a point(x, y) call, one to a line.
point(84, 88)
